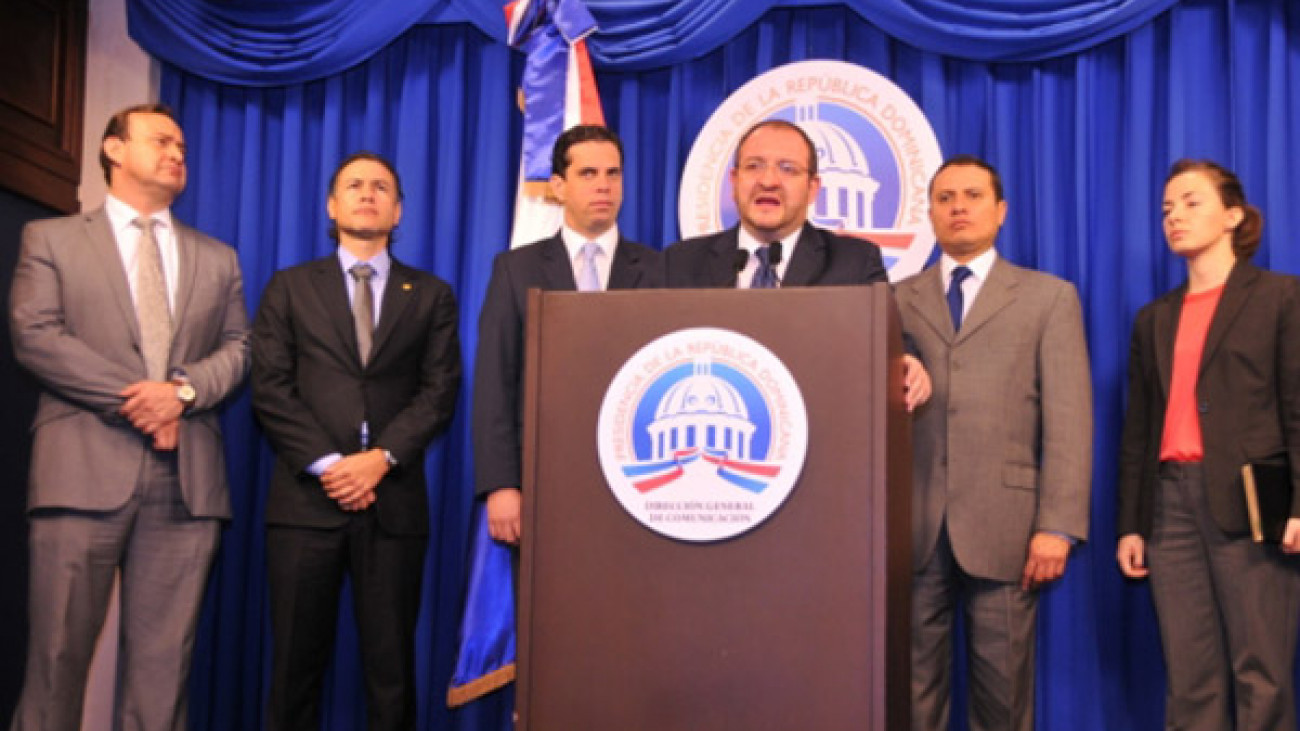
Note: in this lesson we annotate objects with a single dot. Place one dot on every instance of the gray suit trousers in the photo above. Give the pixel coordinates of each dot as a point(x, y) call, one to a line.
point(164, 556)
point(1228, 611)
point(1000, 627)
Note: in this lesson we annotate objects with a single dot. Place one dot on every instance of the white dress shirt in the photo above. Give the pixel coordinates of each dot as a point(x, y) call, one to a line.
point(750, 244)
point(574, 241)
point(979, 268)
point(121, 217)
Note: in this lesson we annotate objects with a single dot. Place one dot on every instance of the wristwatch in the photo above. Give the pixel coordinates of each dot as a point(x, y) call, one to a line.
point(186, 394)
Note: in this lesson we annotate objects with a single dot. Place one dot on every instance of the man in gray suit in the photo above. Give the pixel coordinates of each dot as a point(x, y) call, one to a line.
point(1002, 453)
point(134, 324)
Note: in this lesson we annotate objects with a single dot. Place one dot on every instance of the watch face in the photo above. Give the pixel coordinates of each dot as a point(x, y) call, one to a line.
point(186, 393)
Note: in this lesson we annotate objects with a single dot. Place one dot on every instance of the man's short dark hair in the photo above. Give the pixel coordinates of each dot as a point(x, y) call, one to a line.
point(119, 126)
point(373, 157)
point(780, 124)
point(972, 161)
point(578, 134)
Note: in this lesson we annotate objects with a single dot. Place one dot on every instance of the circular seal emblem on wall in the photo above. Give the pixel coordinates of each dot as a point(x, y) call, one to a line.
point(702, 434)
point(876, 153)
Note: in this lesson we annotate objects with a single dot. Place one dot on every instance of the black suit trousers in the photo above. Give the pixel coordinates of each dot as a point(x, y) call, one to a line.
point(306, 568)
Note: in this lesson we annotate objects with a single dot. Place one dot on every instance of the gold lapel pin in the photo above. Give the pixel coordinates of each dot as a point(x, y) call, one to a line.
point(406, 287)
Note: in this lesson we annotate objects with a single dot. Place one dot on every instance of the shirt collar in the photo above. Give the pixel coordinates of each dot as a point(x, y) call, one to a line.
point(749, 243)
point(573, 241)
point(381, 262)
point(122, 216)
point(979, 266)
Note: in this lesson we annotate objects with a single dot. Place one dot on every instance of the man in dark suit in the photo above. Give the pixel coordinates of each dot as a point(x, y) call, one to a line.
point(356, 366)
point(774, 179)
point(588, 253)
point(1002, 453)
point(134, 324)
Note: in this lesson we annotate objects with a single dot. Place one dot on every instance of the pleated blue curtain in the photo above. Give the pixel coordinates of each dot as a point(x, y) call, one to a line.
point(436, 101)
point(1083, 128)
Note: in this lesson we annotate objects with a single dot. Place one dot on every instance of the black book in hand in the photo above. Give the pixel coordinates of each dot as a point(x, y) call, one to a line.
point(1267, 488)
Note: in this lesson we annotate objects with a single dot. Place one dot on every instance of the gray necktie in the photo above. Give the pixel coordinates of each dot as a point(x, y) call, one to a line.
point(588, 275)
point(152, 310)
point(363, 309)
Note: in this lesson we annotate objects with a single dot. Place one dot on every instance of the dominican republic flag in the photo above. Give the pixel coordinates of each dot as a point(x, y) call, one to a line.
point(559, 92)
point(485, 659)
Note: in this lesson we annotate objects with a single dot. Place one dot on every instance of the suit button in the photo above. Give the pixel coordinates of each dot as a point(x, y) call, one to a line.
point(1203, 407)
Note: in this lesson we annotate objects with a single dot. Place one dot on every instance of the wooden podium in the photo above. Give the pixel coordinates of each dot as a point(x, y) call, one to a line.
point(800, 623)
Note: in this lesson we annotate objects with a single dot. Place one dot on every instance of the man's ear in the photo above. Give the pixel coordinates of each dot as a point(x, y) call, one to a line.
point(114, 148)
point(557, 188)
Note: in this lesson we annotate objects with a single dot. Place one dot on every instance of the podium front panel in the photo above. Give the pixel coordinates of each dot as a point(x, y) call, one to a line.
point(798, 623)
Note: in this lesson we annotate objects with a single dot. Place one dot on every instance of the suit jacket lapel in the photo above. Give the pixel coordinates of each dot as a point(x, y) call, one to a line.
point(398, 294)
point(930, 302)
point(557, 271)
point(327, 275)
point(994, 296)
point(186, 271)
point(625, 270)
point(808, 261)
point(722, 260)
point(1167, 311)
point(99, 231)
point(1235, 293)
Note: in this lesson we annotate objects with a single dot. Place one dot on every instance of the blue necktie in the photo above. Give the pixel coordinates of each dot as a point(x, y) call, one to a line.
point(588, 275)
point(954, 295)
point(765, 274)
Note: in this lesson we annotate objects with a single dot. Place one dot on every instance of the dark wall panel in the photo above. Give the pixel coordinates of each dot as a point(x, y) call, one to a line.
point(17, 404)
point(42, 62)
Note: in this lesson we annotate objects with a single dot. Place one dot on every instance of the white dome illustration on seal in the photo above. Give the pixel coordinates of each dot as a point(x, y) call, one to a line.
point(848, 191)
point(704, 411)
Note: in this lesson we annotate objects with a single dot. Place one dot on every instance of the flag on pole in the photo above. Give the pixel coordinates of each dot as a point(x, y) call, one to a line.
point(559, 92)
point(486, 656)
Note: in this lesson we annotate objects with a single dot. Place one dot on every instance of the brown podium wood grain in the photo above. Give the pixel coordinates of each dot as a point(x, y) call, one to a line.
point(800, 623)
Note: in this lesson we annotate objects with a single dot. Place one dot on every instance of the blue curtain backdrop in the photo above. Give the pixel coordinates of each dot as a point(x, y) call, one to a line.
point(1082, 104)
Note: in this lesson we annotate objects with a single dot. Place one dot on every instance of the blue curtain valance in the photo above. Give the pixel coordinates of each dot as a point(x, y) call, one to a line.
point(259, 43)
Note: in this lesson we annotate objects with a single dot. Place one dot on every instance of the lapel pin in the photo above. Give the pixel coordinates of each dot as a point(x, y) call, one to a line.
point(406, 286)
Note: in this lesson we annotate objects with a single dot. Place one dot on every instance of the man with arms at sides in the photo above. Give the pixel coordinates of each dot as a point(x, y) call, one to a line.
point(134, 324)
point(1002, 453)
point(774, 179)
point(587, 254)
point(356, 366)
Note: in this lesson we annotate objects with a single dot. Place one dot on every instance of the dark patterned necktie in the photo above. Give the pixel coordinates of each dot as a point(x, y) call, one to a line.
point(765, 274)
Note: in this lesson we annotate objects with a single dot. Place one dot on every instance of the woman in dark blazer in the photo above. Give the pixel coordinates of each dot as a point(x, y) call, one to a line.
point(1214, 383)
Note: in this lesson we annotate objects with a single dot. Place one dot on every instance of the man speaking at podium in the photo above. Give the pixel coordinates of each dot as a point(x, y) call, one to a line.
point(774, 179)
